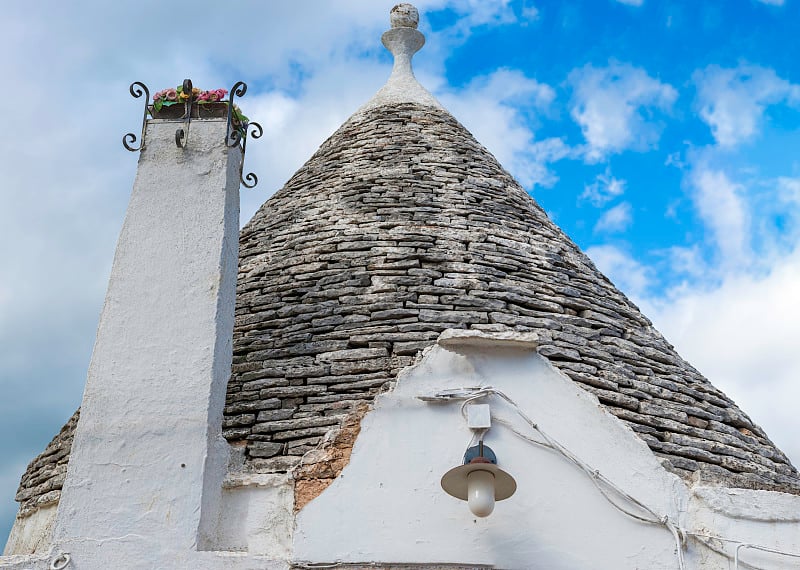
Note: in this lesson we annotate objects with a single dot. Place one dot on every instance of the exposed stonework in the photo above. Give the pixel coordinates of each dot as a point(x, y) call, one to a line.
point(43, 479)
point(402, 226)
point(404, 16)
point(320, 467)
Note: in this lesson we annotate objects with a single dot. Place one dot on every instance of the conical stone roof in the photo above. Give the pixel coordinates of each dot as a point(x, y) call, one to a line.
point(400, 226)
point(403, 225)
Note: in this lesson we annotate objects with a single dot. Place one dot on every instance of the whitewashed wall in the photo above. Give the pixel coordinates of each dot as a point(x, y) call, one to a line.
point(387, 507)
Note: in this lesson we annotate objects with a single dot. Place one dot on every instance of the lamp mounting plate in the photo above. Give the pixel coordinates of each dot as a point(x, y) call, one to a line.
point(475, 451)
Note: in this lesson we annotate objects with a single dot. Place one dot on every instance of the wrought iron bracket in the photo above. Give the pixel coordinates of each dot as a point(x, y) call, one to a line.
point(238, 136)
point(249, 180)
point(138, 89)
point(234, 135)
point(182, 135)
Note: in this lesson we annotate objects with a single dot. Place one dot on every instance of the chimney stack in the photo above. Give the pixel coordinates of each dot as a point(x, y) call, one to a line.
point(148, 458)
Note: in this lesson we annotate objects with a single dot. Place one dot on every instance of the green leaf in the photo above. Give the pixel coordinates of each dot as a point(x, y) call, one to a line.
point(158, 104)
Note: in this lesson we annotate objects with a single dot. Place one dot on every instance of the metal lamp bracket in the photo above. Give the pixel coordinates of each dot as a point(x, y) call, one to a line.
point(480, 450)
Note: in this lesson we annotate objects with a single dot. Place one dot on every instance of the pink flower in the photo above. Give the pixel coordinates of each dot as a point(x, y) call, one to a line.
point(221, 93)
point(171, 94)
point(212, 96)
point(204, 96)
point(158, 95)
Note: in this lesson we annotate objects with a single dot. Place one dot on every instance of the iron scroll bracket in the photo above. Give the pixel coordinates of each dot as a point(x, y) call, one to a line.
point(232, 134)
point(237, 135)
point(138, 89)
point(182, 134)
point(249, 180)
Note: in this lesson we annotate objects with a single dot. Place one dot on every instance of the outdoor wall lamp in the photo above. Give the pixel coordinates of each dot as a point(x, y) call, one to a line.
point(479, 481)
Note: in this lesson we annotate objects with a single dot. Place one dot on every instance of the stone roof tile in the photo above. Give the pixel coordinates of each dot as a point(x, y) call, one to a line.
point(401, 226)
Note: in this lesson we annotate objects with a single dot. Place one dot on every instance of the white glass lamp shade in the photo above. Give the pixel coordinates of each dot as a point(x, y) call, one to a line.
point(480, 493)
point(480, 484)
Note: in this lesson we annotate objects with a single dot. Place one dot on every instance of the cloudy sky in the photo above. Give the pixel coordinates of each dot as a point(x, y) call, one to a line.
point(662, 135)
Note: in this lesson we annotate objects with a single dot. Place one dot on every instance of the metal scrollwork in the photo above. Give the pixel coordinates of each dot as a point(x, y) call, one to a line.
point(237, 134)
point(250, 179)
point(182, 135)
point(232, 134)
point(137, 89)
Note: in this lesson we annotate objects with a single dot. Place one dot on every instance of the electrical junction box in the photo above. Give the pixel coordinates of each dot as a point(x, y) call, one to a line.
point(479, 416)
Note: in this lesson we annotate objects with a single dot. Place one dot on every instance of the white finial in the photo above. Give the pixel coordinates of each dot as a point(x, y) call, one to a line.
point(404, 16)
point(403, 40)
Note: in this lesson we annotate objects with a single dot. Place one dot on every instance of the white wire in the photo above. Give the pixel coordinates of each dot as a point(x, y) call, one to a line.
point(679, 534)
point(594, 475)
point(701, 538)
point(679, 537)
point(742, 546)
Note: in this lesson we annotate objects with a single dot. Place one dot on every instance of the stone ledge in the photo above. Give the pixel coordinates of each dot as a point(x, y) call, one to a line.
point(454, 338)
point(749, 503)
point(234, 480)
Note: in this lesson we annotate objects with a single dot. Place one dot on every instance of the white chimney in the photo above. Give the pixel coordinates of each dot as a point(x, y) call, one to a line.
point(148, 458)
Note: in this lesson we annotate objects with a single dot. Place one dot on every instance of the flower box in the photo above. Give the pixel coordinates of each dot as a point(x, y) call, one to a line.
point(216, 110)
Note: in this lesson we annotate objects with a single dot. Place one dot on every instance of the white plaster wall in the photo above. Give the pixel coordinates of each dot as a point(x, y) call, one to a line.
point(257, 516)
point(388, 506)
point(762, 518)
point(147, 458)
point(32, 534)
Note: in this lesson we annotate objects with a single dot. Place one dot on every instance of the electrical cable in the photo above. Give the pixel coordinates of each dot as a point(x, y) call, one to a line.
point(679, 534)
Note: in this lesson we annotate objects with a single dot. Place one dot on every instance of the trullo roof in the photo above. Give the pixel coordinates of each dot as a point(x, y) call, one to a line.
point(403, 225)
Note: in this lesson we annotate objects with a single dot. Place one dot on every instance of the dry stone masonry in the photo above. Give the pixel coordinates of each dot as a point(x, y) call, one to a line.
point(402, 226)
point(42, 481)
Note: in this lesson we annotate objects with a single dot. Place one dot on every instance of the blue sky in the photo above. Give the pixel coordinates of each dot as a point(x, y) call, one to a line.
point(662, 136)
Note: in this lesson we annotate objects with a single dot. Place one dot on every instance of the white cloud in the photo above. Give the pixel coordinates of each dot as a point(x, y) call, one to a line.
point(739, 328)
point(788, 196)
point(748, 220)
point(721, 205)
point(530, 13)
point(503, 128)
point(732, 101)
point(624, 271)
point(65, 178)
point(608, 105)
point(743, 336)
point(687, 261)
point(472, 14)
point(617, 219)
point(484, 12)
point(604, 189)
